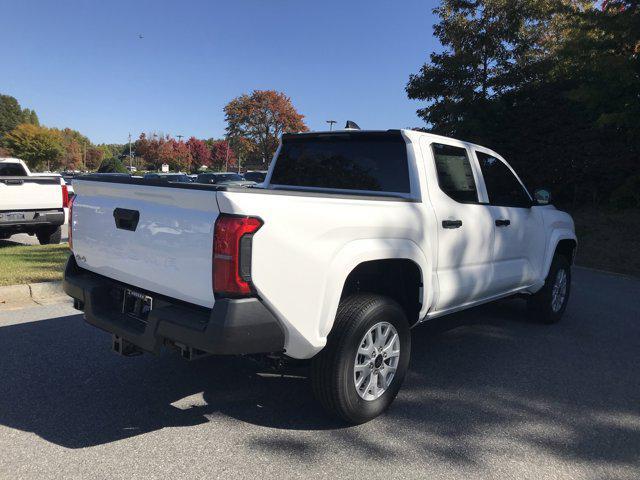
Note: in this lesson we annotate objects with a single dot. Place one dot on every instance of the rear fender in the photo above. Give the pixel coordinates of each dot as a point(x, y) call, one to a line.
point(358, 251)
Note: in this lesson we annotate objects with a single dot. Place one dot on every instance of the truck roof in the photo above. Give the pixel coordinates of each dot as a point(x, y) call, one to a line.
point(407, 131)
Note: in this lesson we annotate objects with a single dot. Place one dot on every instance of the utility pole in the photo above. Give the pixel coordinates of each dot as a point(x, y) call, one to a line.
point(331, 123)
point(226, 157)
point(84, 156)
point(179, 137)
point(130, 156)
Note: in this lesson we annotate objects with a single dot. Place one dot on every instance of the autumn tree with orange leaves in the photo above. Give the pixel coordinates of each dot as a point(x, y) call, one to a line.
point(261, 117)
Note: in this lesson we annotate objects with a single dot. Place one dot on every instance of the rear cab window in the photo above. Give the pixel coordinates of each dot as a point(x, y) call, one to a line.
point(12, 170)
point(357, 162)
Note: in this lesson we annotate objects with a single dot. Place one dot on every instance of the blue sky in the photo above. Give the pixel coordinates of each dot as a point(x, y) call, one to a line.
point(81, 64)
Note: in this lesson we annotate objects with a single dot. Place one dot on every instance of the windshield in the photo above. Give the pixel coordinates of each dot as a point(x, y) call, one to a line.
point(219, 177)
point(228, 177)
point(167, 178)
point(255, 176)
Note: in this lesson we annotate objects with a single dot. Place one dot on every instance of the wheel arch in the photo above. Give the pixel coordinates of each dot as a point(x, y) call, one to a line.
point(365, 257)
point(563, 241)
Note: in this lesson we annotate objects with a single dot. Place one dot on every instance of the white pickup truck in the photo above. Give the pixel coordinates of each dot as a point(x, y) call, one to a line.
point(30, 202)
point(354, 238)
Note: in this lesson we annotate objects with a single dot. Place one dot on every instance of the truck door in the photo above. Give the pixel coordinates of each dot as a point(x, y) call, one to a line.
point(519, 240)
point(465, 225)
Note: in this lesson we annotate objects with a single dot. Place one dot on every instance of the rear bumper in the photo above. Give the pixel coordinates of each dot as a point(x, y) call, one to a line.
point(33, 219)
point(231, 327)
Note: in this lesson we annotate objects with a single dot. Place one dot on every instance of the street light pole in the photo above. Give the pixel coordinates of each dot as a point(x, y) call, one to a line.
point(331, 123)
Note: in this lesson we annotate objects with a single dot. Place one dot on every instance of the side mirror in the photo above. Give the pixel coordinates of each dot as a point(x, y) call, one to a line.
point(542, 196)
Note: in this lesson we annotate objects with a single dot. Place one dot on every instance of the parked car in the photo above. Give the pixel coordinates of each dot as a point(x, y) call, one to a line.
point(257, 176)
point(222, 178)
point(168, 177)
point(31, 203)
point(358, 237)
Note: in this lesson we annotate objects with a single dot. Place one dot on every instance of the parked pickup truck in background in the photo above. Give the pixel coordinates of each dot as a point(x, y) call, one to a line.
point(31, 203)
point(354, 238)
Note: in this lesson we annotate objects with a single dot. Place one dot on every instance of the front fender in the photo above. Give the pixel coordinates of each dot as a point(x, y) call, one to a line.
point(556, 236)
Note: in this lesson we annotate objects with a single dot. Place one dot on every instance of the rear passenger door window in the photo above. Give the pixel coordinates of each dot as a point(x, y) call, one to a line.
point(503, 187)
point(455, 175)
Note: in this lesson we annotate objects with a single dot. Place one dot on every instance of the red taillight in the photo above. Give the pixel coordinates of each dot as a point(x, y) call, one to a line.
point(232, 254)
point(65, 196)
point(71, 222)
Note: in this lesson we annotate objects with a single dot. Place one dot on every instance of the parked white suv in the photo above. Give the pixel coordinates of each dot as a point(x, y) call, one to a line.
point(30, 202)
point(354, 238)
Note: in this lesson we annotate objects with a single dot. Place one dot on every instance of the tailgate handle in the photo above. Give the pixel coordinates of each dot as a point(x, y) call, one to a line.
point(126, 219)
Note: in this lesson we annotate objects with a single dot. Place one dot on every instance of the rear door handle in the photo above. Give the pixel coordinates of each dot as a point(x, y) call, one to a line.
point(451, 223)
point(503, 222)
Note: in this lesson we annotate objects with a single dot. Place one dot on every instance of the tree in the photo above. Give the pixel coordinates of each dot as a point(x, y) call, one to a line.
point(12, 115)
point(38, 146)
point(113, 149)
point(490, 47)
point(602, 54)
point(148, 147)
point(222, 155)
point(175, 154)
point(200, 153)
point(94, 156)
point(261, 118)
point(112, 165)
point(553, 85)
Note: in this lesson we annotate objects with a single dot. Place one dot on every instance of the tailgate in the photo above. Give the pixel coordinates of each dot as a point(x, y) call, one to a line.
point(30, 193)
point(157, 238)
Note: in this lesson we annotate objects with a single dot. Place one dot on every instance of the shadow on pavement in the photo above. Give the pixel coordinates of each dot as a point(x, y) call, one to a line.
point(571, 389)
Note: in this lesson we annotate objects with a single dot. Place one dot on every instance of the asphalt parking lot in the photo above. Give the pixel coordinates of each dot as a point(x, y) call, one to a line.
point(490, 394)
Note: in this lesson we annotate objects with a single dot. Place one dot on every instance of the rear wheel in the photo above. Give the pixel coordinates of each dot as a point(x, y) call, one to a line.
point(49, 235)
point(360, 371)
point(550, 302)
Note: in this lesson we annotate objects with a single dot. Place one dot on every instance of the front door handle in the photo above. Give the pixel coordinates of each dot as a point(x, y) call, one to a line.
point(503, 222)
point(451, 223)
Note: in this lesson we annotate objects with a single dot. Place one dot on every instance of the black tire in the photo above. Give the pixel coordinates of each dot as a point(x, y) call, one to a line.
point(48, 236)
point(332, 370)
point(540, 304)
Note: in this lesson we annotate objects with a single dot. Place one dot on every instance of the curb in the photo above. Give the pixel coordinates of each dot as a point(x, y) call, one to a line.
point(40, 293)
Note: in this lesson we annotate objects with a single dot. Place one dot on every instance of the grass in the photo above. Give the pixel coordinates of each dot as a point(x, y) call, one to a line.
point(32, 263)
point(609, 240)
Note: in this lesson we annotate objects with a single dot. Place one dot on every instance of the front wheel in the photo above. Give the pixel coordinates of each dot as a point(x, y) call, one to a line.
point(359, 372)
point(550, 302)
